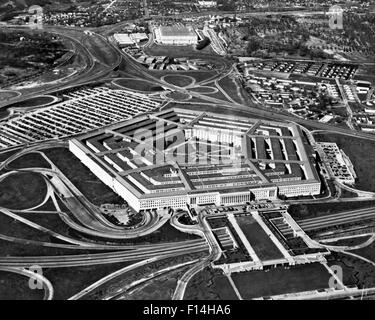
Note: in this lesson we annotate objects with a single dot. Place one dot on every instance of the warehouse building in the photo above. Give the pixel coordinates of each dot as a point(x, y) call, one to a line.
point(176, 35)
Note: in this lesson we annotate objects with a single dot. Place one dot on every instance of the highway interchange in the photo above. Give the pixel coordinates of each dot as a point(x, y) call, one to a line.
point(101, 58)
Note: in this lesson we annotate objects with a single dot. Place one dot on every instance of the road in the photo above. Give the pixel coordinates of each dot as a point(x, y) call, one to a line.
point(99, 258)
point(215, 253)
point(47, 286)
point(337, 219)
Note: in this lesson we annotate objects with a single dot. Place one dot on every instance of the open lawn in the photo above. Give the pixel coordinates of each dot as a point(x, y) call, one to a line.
point(362, 154)
point(367, 252)
point(91, 187)
point(33, 102)
point(166, 233)
point(69, 281)
point(277, 281)
point(353, 241)
point(179, 80)
point(160, 288)
point(30, 160)
point(6, 95)
point(179, 96)
point(22, 190)
point(16, 287)
point(258, 239)
point(200, 75)
point(114, 286)
point(354, 271)
point(6, 155)
point(231, 88)
point(14, 228)
point(138, 85)
point(204, 90)
point(209, 285)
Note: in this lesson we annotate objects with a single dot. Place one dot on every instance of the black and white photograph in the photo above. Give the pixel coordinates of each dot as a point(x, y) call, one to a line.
point(188, 156)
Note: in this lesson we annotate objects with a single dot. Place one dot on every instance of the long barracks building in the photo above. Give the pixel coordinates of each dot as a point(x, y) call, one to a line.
point(178, 157)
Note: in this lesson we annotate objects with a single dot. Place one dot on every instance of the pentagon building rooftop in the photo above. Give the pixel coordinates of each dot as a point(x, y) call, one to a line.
point(178, 157)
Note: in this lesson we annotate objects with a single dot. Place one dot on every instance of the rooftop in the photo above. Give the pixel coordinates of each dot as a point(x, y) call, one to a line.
point(177, 31)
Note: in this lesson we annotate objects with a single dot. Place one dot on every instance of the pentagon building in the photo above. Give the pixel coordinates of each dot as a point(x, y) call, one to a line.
point(178, 157)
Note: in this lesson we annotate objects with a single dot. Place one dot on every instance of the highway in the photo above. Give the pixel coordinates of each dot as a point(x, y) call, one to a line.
point(99, 55)
point(47, 286)
point(215, 253)
point(89, 218)
point(337, 219)
point(99, 258)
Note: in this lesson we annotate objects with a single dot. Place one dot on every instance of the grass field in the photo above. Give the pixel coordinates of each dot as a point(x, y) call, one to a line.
point(179, 96)
point(199, 76)
point(230, 88)
point(22, 190)
point(312, 210)
point(160, 288)
point(354, 271)
point(50, 221)
point(204, 90)
point(114, 285)
point(5, 95)
point(362, 154)
point(178, 80)
point(69, 281)
point(6, 155)
point(367, 252)
point(166, 233)
point(258, 239)
point(16, 287)
point(13, 228)
point(91, 187)
point(33, 102)
point(139, 85)
point(300, 278)
point(209, 285)
point(353, 241)
point(30, 160)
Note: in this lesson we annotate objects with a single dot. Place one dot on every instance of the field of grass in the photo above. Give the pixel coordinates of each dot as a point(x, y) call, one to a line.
point(69, 281)
point(22, 190)
point(362, 154)
point(353, 241)
point(6, 155)
point(230, 88)
point(367, 252)
point(204, 90)
point(209, 285)
point(258, 239)
point(201, 75)
point(6, 95)
point(179, 96)
point(354, 271)
point(139, 85)
point(312, 210)
point(300, 278)
point(178, 80)
point(16, 287)
point(120, 282)
point(33, 102)
point(166, 233)
point(91, 187)
point(30, 160)
point(50, 221)
point(160, 288)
